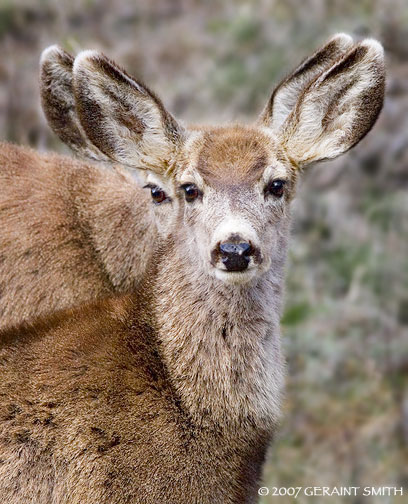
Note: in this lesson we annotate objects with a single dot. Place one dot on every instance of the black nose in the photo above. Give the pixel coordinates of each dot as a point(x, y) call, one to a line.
point(235, 256)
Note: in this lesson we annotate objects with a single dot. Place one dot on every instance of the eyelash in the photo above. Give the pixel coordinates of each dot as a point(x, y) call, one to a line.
point(191, 192)
point(275, 188)
point(161, 196)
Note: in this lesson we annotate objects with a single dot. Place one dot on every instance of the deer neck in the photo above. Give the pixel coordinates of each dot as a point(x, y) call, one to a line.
point(113, 213)
point(221, 343)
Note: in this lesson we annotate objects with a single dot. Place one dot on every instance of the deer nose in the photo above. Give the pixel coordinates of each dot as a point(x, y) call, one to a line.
point(235, 256)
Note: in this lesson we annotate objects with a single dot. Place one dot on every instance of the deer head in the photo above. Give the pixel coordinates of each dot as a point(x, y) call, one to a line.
point(223, 191)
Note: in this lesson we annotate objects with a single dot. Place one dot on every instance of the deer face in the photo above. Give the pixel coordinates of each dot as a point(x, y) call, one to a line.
point(228, 200)
point(222, 193)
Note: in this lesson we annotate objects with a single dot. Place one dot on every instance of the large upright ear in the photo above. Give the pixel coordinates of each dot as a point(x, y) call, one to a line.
point(287, 93)
point(121, 117)
point(337, 108)
point(58, 102)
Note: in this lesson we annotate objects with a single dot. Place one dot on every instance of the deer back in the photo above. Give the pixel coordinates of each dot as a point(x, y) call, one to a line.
point(70, 232)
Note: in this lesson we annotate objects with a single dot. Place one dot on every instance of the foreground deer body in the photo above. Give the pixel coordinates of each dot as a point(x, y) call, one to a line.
point(172, 394)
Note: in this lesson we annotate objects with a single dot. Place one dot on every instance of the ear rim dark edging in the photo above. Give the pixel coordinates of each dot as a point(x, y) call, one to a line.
point(333, 49)
point(56, 66)
point(368, 52)
point(91, 114)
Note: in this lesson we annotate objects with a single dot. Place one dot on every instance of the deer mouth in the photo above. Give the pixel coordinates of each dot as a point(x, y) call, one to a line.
point(236, 277)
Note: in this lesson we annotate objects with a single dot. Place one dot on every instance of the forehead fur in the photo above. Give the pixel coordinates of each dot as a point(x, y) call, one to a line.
point(234, 154)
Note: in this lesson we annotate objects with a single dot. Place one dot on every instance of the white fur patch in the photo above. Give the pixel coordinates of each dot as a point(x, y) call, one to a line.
point(278, 171)
point(49, 53)
point(234, 225)
point(162, 182)
point(236, 277)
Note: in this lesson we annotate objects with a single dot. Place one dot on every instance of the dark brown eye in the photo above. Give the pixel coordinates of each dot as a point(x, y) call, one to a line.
point(158, 195)
point(276, 188)
point(191, 192)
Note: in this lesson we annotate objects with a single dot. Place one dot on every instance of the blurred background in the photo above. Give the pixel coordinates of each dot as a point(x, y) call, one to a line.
point(345, 324)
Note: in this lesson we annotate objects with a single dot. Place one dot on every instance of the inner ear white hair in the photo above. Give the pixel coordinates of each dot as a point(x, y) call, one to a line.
point(330, 102)
point(338, 108)
point(122, 117)
point(286, 94)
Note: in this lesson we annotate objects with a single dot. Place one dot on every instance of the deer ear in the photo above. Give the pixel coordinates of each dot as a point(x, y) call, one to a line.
point(336, 109)
point(286, 94)
point(58, 102)
point(121, 117)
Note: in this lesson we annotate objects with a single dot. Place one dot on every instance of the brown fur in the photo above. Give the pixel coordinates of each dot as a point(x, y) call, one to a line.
point(233, 154)
point(70, 232)
point(171, 394)
point(100, 421)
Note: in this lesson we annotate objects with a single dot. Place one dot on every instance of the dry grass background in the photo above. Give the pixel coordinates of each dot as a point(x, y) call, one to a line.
point(346, 320)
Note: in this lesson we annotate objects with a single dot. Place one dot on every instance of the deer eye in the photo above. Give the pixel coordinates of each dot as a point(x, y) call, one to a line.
point(275, 188)
point(158, 195)
point(191, 192)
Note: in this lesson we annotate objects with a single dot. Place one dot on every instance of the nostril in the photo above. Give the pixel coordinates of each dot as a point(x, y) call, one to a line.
point(245, 249)
point(228, 248)
point(240, 249)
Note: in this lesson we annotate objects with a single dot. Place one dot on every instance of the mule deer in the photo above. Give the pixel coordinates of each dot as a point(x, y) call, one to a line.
point(70, 232)
point(171, 394)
